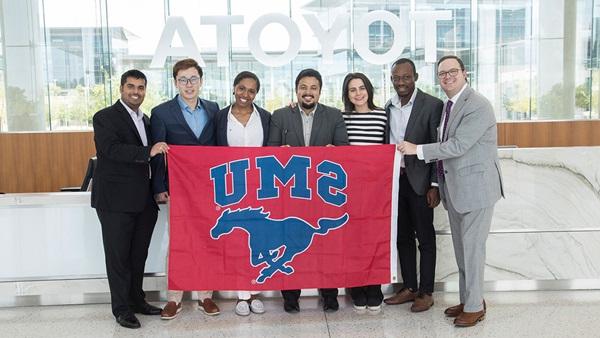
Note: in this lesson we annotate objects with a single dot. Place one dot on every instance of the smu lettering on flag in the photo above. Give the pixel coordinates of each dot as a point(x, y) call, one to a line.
point(273, 218)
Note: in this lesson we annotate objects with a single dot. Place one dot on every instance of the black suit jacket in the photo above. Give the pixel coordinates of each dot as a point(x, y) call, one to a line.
point(328, 127)
point(121, 180)
point(422, 128)
point(221, 125)
point(168, 125)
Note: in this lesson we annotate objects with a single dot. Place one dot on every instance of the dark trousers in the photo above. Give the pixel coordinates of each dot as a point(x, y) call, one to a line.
point(126, 238)
point(370, 295)
point(293, 295)
point(415, 217)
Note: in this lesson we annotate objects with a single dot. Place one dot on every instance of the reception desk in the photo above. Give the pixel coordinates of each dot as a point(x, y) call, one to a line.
point(545, 235)
point(51, 249)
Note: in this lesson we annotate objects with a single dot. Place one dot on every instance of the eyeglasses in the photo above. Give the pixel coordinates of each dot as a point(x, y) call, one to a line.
point(404, 78)
point(184, 80)
point(452, 72)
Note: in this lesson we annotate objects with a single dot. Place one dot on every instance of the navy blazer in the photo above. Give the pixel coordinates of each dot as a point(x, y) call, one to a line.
point(221, 125)
point(169, 125)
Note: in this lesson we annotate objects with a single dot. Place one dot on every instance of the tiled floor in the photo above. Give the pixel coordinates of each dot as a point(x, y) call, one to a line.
point(510, 314)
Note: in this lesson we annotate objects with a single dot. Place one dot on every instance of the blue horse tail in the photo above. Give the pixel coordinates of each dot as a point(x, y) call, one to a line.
point(326, 224)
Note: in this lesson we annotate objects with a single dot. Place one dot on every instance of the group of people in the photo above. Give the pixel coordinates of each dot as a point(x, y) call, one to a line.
point(449, 153)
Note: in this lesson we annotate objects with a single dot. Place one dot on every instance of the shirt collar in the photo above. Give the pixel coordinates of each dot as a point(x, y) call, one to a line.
point(230, 115)
point(185, 106)
point(310, 113)
point(455, 97)
point(137, 115)
point(398, 104)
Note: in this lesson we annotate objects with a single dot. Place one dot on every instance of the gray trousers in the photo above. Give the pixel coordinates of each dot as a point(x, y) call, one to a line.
point(469, 234)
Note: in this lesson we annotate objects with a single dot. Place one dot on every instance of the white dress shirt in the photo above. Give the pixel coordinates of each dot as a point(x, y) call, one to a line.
point(307, 122)
point(239, 135)
point(138, 120)
point(399, 116)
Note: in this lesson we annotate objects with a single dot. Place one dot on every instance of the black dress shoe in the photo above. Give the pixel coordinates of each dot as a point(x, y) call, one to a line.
point(147, 309)
point(330, 304)
point(291, 306)
point(129, 321)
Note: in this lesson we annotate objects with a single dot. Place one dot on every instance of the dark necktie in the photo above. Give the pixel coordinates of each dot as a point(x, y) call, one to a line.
point(440, 164)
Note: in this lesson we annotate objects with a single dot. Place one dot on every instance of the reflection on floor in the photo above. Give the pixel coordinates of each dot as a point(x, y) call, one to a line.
point(510, 314)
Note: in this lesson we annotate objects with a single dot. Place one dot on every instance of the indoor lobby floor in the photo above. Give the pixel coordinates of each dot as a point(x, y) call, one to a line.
point(510, 314)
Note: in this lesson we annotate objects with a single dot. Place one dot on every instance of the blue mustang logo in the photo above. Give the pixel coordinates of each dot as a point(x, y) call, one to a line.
point(273, 241)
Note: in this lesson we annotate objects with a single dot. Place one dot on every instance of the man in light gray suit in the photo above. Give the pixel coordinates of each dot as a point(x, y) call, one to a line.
point(469, 179)
point(309, 123)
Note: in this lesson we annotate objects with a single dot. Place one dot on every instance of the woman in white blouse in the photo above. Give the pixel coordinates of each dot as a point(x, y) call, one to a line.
point(244, 124)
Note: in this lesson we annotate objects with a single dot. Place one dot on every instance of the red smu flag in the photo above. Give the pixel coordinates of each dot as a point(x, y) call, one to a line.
point(272, 218)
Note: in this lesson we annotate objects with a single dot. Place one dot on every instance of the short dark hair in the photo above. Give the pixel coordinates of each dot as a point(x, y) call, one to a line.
point(348, 105)
point(185, 64)
point(446, 57)
point(134, 73)
point(405, 60)
point(309, 72)
point(246, 75)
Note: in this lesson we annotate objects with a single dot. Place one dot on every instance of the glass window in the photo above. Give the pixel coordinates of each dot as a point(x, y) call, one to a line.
point(310, 55)
point(215, 82)
point(133, 39)
point(276, 83)
point(77, 62)
point(534, 60)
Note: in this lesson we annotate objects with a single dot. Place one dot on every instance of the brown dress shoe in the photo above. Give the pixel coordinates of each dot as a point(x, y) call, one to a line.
point(466, 319)
point(403, 296)
point(170, 311)
point(423, 302)
point(209, 307)
point(456, 310)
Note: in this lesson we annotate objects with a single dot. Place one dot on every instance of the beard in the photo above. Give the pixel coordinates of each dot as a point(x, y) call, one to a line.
point(307, 106)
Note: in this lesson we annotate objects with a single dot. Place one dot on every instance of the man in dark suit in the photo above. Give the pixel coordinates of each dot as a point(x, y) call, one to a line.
point(122, 196)
point(184, 120)
point(308, 124)
point(414, 116)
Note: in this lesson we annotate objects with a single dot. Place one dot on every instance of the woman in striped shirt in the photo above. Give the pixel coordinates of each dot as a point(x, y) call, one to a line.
point(366, 124)
point(364, 120)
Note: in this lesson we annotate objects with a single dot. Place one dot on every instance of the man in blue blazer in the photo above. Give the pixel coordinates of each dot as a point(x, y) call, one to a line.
point(184, 120)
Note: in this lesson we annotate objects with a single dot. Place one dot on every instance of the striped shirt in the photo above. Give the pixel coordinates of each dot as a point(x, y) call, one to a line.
point(365, 128)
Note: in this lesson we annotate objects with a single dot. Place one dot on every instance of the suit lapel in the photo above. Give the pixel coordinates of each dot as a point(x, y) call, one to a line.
point(388, 112)
point(125, 116)
point(458, 106)
point(415, 114)
point(316, 124)
point(297, 124)
point(180, 118)
point(147, 128)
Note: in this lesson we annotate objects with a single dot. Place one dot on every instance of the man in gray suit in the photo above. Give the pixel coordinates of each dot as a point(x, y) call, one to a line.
point(309, 123)
point(414, 116)
point(469, 178)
